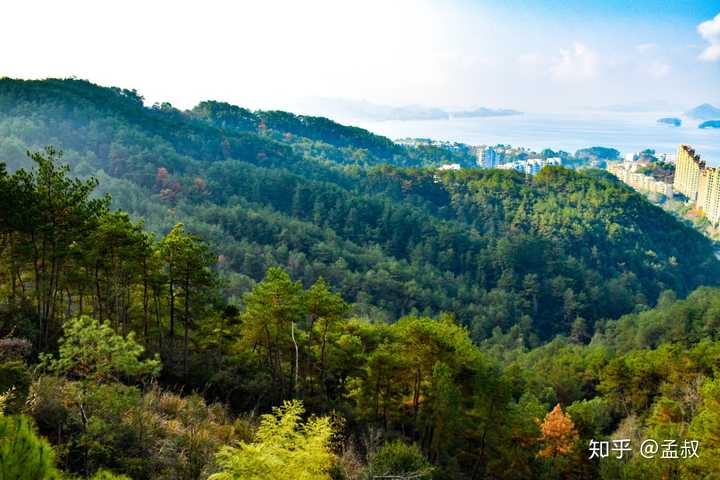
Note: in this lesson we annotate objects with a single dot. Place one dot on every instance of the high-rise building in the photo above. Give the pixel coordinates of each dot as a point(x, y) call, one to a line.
point(489, 157)
point(700, 184)
point(687, 172)
point(531, 166)
point(640, 181)
point(709, 194)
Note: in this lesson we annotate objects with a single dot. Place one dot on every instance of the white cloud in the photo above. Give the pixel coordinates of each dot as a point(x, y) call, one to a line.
point(710, 31)
point(577, 63)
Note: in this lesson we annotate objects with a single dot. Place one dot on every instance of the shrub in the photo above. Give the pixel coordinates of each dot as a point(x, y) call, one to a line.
point(14, 376)
point(284, 449)
point(13, 348)
point(399, 459)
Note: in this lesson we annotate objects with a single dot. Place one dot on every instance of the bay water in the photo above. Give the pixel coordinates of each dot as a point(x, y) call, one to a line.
point(626, 132)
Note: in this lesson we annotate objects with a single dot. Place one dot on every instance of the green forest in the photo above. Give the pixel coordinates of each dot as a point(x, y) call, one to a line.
point(221, 293)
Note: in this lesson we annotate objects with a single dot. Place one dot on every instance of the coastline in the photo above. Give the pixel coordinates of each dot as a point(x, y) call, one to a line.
point(626, 132)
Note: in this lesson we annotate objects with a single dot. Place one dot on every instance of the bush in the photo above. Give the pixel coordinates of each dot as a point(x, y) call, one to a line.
point(285, 448)
point(92, 350)
point(48, 405)
point(21, 321)
point(12, 348)
point(105, 475)
point(155, 434)
point(399, 459)
point(14, 376)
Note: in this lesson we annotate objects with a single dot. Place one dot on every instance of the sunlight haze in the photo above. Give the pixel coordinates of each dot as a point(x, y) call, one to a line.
point(531, 56)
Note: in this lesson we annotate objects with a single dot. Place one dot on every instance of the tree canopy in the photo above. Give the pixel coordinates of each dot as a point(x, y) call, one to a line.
point(265, 295)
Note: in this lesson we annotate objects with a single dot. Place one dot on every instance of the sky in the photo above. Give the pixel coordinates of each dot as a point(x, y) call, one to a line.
point(544, 55)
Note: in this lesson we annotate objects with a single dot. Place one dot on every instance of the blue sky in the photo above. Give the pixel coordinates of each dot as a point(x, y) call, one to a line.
point(593, 52)
point(692, 11)
point(534, 56)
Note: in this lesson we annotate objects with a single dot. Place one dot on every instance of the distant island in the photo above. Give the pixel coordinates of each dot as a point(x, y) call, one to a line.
point(710, 124)
point(359, 109)
point(672, 121)
point(598, 153)
point(485, 112)
point(704, 112)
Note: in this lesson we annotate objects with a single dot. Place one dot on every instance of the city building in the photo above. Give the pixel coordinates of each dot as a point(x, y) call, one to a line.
point(687, 172)
point(450, 166)
point(709, 194)
point(531, 166)
point(487, 157)
point(512, 166)
point(639, 181)
point(699, 183)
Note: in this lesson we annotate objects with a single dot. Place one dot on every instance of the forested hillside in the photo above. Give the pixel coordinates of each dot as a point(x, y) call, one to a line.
point(274, 189)
point(220, 293)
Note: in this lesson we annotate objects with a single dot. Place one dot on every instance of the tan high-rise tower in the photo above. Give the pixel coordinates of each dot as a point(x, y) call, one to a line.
point(700, 184)
point(687, 172)
point(709, 194)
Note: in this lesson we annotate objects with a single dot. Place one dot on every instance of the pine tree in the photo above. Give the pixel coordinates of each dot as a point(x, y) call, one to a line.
point(558, 434)
point(23, 454)
point(272, 312)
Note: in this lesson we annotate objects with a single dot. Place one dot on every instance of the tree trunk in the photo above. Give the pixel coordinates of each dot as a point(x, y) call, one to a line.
point(187, 321)
point(172, 309)
point(145, 303)
point(97, 292)
point(297, 356)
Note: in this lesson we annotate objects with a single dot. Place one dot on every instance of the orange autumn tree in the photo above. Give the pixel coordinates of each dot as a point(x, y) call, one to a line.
point(558, 434)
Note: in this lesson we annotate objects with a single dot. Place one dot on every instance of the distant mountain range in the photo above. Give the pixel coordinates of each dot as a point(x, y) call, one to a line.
point(363, 110)
point(704, 112)
point(710, 124)
point(485, 112)
point(673, 121)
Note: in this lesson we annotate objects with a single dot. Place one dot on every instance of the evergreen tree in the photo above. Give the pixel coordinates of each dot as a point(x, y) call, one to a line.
point(24, 455)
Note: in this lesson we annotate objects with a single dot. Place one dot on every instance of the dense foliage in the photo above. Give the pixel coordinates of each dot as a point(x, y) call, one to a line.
point(296, 295)
point(273, 189)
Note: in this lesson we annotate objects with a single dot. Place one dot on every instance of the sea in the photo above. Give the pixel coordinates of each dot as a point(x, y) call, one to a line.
point(626, 132)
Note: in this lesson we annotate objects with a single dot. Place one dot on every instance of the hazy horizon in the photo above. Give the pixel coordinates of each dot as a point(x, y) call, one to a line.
point(540, 56)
